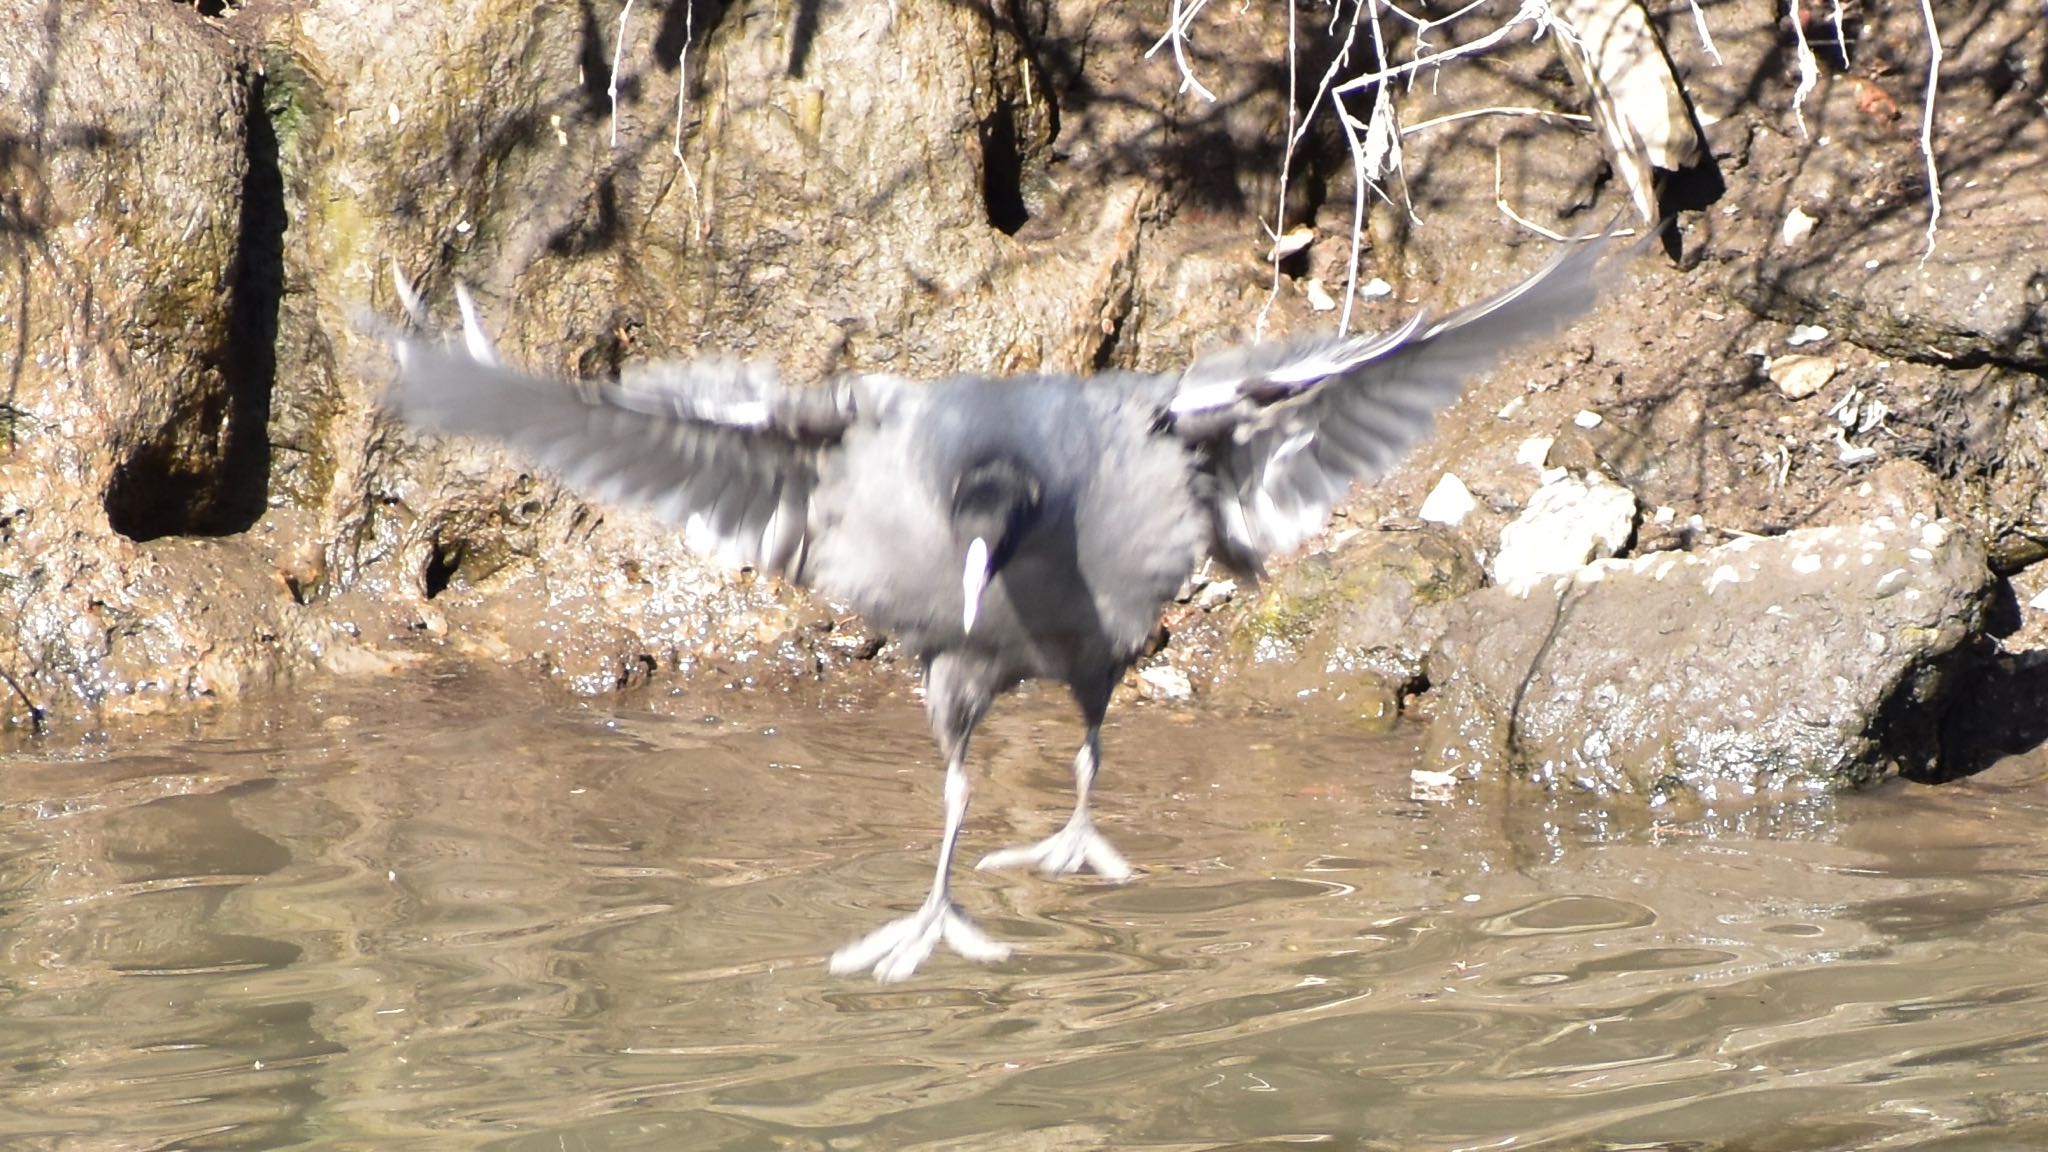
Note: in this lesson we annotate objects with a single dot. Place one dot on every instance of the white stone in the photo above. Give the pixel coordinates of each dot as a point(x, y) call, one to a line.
point(1799, 376)
point(1215, 594)
point(1165, 682)
point(1449, 502)
point(1798, 226)
point(1566, 525)
point(1535, 451)
point(2040, 601)
point(1587, 418)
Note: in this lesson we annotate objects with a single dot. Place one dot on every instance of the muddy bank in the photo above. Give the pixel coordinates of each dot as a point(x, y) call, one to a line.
point(199, 499)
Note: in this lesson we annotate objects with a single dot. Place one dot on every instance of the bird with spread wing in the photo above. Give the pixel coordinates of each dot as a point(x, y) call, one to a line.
point(1002, 529)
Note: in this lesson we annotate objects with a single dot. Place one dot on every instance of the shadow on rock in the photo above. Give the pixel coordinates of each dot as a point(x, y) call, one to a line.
point(2001, 710)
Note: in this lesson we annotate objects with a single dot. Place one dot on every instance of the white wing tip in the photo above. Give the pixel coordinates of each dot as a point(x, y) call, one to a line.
point(407, 297)
point(473, 337)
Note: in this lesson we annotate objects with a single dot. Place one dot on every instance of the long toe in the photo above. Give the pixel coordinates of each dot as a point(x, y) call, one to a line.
point(1070, 849)
point(894, 951)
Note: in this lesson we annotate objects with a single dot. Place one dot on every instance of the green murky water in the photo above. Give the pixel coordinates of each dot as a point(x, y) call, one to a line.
point(454, 914)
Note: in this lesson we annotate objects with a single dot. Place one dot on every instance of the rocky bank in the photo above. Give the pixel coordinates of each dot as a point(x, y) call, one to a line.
point(1824, 562)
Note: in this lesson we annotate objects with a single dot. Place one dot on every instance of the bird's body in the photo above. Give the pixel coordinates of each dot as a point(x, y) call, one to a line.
point(1002, 529)
point(1041, 615)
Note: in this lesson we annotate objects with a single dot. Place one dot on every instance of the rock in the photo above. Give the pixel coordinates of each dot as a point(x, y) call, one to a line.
point(1815, 659)
point(1215, 594)
point(1798, 376)
point(1350, 629)
point(1797, 226)
point(1448, 503)
point(1870, 274)
point(133, 411)
point(1901, 490)
point(198, 496)
point(1566, 524)
point(1164, 682)
point(1535, 452)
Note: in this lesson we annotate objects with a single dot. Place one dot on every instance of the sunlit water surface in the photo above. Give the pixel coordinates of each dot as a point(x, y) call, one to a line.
point(454, 913)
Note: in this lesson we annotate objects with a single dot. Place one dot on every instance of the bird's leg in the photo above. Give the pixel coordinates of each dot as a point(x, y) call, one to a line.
point(1078, 844)
point(894, 950)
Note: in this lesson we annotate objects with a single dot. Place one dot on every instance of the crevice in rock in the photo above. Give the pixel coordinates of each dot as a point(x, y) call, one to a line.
point(258, 295)
point(442, 564)
point(597, 225)
point(1002, 170)
point(1994, 712)
point(207, 471)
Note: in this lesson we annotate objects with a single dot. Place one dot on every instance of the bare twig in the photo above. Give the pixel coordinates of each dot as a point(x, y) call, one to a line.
point(1294, 123)
point(1809, 70)
point(1360, 180)
point(1927, 125)
point(36, 714)
point(1500, 201)
point(1699, 23)
point(618, 53)
point(1535, 12)
point(1300, 128)
point(683, 77)
point(1176, 35)
point(683, 94)
point(1498, 110)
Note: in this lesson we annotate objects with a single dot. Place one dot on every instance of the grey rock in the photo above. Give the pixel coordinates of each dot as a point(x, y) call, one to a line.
point(1816, 659)
point(1350, 629)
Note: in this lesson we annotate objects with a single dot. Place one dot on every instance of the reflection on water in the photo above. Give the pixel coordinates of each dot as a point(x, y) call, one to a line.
point(455, 914)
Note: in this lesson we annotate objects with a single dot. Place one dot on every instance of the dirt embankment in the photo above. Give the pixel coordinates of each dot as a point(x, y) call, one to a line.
point(198, 497)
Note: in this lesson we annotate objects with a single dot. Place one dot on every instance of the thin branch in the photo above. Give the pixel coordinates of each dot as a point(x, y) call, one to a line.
point(1927, 125)
point(683, 76)
point(683, 93)
point(1535, 12)
point(1500, 201)
point(1499, 110)
point(36, 723)
point(1699, 23)
point(1176, 35)
point(1300, 129)
point(618, 53)
point(1359, 179)
point(1294, 122)
point(1809, 70)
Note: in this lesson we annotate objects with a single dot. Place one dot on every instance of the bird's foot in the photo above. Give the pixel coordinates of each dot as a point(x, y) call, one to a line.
point(894, 950)
point(1067, 850)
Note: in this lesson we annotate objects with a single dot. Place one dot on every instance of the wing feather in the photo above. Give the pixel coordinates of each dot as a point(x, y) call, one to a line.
point(717, 445)
point(1285, 430)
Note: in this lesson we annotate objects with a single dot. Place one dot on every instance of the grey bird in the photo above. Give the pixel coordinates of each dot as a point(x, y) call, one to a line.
point(1001, 529)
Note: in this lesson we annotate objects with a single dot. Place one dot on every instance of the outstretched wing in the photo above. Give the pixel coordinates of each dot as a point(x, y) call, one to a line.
point(1284, 430)
point(717, 446)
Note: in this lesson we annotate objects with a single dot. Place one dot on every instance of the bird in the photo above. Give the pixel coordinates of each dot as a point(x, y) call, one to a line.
point(1001, 529)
